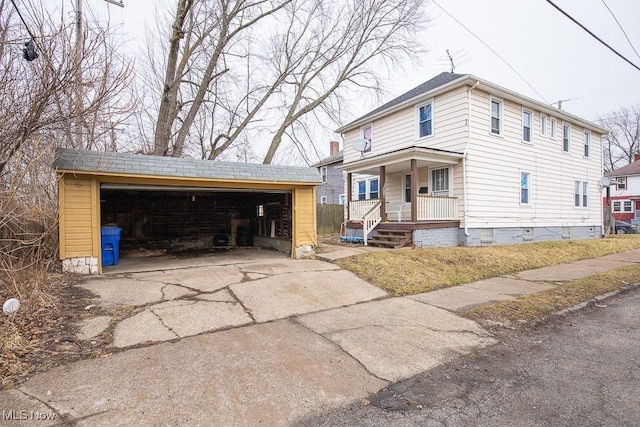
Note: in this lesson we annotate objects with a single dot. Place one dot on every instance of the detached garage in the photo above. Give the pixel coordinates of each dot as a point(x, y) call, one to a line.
point(176, 203)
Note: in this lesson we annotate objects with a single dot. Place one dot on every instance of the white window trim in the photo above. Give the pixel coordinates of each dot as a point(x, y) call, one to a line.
point(586, 140)
point(324, 174)
point(404, 187)
point(342, 199)
point(621, 203)
point(323, 200)
point(362, 128)
point(529, 187)
point(562, 138)
point(433, 121)
point(501, 116)
point(621, 180)
point(531, 126)
point(432, 186)
point(581, 194)
point(552, 127)
point(367, 187)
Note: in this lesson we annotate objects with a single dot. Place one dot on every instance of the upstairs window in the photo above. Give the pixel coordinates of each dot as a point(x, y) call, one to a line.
point(425, 120)
point(587, 143)
point(552, 132)
point(621, 183)
point(566, 138)
point(525, 186)
point(526, 125)
point(367, 134)
point(323, 172)
point(496, 117)
point(543, 125)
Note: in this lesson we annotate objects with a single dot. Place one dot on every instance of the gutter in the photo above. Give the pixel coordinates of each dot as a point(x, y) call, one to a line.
point(464, 160)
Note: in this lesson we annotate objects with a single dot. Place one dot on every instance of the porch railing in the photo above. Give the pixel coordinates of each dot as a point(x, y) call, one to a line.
point(370, 220)
point(358, 208)
point(437, 208)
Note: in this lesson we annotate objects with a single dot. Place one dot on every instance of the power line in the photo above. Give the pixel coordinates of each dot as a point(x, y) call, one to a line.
point(592, 35)
point(492, 50)
point(621, 29)
point(23, 21)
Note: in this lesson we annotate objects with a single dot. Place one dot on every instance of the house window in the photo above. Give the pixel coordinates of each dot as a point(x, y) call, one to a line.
point(621, 183)
point(496, 117)
point(525, 186)
point(323, 173)
point(587, 142)
point(323, 200)
point(543, 125)
point(566, 137)
point(342, 199)
point(553, 128)
point(367, 135)
point(425, 120)
point(623, 206)
point(407, 188)
point(627, 206)
point(362, 190)
point(440, 182)
point(581, 194)
point(373, 189)
point(526, 125)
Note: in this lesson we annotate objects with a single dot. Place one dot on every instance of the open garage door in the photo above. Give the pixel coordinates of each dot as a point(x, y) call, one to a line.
point(178, 218)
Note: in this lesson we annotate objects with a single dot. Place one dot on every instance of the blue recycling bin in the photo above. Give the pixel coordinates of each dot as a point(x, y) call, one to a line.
point(110, 244)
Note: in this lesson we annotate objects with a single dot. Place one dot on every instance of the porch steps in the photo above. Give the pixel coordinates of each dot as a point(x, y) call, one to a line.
point(390, 238)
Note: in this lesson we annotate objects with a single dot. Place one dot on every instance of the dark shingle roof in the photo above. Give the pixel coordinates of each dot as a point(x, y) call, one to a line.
point(334, 158)
point(140, 164)
point(429, 85)
point(628, 170)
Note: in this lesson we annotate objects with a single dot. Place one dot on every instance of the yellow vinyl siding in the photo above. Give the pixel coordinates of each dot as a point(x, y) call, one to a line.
point(76, 218)
point(304, 217)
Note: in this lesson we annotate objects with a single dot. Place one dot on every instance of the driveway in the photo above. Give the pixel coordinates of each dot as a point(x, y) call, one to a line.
point(245, 338)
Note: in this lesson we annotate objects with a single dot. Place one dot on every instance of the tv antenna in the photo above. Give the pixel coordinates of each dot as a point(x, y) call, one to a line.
point(453, 67)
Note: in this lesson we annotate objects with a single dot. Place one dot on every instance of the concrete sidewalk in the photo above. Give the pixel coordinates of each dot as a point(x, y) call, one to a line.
point(262, 340)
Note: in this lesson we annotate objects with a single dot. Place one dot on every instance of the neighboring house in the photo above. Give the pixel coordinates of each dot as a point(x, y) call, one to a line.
point(332, 189)
point(625, 191)
point(461, 160)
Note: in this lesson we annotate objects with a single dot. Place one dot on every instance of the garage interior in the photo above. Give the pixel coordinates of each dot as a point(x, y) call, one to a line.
point(184, 218)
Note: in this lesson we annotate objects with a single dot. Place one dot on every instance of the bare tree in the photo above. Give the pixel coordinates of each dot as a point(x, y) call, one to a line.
point(623, 140)
point(245, 71)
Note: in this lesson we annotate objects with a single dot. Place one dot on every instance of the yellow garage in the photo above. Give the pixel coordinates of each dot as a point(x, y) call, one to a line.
point(165, 202)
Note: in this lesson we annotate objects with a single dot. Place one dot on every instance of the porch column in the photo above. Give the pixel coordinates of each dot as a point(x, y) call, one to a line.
point(349, 189)
point(414, 190)
point(381, 189)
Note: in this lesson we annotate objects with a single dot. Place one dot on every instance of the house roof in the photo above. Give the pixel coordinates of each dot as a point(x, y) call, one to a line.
point(334, 158)
point(444, 82)
point(139, 164)
point(628, 170)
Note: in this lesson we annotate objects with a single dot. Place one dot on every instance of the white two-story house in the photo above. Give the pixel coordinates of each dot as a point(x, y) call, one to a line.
point(459, 160)
point(625, 191)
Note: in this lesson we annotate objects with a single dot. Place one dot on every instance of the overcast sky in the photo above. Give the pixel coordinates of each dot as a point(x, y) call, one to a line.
point(556, 57)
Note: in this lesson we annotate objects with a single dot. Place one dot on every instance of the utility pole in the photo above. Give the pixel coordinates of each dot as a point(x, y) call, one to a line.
point(79, 115)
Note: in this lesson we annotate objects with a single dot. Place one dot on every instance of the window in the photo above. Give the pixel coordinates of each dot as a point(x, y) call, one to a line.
point(367, 134)
point(425, 120)
point(362, 190)
point(342, 199)
point(622, 206)
point(621, 183)
point(440, 182)
point(587, 141)
point(496, 117)
point(323, 200)
point(407, 188)
point(373, 189)
point(525, 186)
point(543, 125)
point(581, 194)
point(553, 128)
point(526, 125)
point(323, 173)
point(566, 137)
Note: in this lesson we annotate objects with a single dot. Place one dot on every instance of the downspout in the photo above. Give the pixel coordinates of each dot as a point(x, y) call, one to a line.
point(464, 160)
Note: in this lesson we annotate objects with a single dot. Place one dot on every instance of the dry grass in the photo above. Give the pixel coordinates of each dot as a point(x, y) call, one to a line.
point(412, 271)
point(523, 310)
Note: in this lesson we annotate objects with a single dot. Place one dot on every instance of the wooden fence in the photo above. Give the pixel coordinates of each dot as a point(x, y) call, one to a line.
point(330, 217)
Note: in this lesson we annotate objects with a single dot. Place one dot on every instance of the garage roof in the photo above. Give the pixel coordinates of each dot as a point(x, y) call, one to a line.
point(140, 164)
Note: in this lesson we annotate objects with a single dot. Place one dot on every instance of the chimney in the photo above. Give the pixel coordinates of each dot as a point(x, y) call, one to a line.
point(334, 147)
point(636, 157)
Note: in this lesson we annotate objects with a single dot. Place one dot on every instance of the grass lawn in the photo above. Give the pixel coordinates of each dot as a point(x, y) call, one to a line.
point(413, 271)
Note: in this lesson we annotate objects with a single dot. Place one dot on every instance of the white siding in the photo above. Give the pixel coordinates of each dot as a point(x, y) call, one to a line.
point(633, 187)
point(495, 163)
